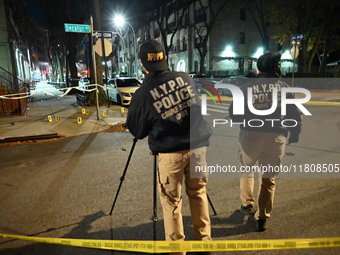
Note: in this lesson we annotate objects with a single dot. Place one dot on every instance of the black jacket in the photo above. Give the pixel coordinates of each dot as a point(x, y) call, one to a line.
point(262, 100)
point(166, 108)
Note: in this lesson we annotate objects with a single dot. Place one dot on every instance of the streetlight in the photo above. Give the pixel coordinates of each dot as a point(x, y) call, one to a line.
point(259, 52)
point(228, 51)
point(120, 22)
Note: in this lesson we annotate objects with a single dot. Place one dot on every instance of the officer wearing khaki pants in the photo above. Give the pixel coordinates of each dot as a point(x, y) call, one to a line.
point(166, 109)
point(263, 137)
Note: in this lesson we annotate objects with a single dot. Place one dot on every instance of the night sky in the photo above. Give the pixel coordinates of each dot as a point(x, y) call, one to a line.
point(35, 12)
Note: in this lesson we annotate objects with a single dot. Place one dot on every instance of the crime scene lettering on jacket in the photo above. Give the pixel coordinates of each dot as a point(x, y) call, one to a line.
point(173, 98)
point(262, 95)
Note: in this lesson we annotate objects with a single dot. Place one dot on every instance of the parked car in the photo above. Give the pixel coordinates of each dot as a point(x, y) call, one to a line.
point(121, 89)
point(237, 81)
point(201, 81)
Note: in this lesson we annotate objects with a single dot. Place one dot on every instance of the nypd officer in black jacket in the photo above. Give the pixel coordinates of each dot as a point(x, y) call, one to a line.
point(166, 109)
point(263, 138)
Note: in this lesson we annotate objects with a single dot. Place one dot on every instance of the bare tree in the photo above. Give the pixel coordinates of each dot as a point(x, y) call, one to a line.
point(63, 45)
point(57, 40)
point(203, 29)
point(62, 48)
point(259, 11)
point(169, 17)
point(315, 19)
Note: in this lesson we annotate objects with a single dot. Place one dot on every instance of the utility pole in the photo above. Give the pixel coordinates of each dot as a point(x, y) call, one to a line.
point(93, 72)
point(295, 43)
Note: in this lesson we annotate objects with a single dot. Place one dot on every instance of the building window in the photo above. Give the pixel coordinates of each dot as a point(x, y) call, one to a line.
point(241, 66)
point(178, 45)
point(185, 45)
point(242, 38)
point(250, 64)
point(185, 19)
point(199, 42)
point(171, 48)
point(242, 14)
point(171, 26)
point(196, 66)
point(148, 35)
point(200, 15)
point(157, 33)
point(156, 15)
point(169, 10)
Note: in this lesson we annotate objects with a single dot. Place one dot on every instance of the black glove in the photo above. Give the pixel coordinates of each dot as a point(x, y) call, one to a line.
point(293, 138)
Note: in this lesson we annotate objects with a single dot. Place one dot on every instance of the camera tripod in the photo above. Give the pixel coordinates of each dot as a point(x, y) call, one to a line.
point(154, 217)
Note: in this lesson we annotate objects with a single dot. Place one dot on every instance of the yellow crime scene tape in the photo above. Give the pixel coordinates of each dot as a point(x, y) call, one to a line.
point(323, 103)
point(193, 246)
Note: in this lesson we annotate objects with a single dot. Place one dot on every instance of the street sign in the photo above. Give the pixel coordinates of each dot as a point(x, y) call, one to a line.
point(107, 47)
point(103, 34)
point(77, 28)
point(298, 37)
point(294, 51)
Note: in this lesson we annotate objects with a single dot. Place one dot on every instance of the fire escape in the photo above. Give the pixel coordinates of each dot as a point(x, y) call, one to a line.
point(13, 90)
point(11, 86)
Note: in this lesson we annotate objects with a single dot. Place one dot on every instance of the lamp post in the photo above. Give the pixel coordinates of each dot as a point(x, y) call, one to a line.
point(120, 22)
point(295, 43)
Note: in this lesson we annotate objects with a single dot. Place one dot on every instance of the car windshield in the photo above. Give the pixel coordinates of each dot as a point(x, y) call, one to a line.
point(127, 83)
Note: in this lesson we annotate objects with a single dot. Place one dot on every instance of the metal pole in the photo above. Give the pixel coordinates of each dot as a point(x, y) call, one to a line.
point(212, 206)
point(104, 55)
point(97, 101)
point(93, 55)
point(135, 47)
point(294, 64)
point(154, 217)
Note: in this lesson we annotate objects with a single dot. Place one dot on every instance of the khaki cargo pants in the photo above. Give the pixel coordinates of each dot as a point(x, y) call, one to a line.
point(173, 168)
point(264, 149)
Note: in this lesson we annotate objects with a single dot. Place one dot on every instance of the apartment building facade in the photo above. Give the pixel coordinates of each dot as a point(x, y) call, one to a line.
point(233, 42)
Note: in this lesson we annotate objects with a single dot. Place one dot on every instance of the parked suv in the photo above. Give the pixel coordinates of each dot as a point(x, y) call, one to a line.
point(120, 90)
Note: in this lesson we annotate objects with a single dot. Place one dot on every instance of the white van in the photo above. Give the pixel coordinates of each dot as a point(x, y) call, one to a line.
point(84, 81)
point(36, 76)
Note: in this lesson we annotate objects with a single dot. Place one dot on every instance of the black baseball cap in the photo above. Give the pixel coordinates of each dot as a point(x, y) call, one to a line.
point(152, 55)
point(268, 62)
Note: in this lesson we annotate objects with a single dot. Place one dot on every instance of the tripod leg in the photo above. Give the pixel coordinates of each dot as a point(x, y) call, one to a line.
point(212, 207)
point(123, 176)
point(154, 216)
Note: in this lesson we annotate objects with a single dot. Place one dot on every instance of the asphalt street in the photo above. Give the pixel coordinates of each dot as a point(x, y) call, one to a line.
point(65, 188)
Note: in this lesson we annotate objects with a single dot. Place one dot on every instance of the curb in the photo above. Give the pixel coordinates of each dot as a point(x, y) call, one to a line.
point(30, 137)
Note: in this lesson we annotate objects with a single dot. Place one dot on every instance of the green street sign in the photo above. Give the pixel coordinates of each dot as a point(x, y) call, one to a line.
point(77, 28)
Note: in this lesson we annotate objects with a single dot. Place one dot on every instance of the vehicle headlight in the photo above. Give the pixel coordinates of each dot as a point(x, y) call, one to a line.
point(124, 94)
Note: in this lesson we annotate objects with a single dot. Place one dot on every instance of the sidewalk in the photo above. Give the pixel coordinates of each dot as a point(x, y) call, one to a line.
point(53, 116)
point(47, 107)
